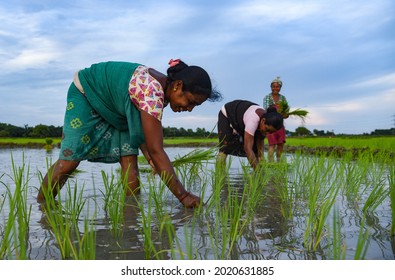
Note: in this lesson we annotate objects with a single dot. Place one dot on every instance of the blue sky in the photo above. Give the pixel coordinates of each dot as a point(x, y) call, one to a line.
point(336, 58)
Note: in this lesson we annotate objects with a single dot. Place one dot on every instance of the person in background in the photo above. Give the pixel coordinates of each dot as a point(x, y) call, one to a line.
point(242, 126)
point(275, 139)
point(114, 109)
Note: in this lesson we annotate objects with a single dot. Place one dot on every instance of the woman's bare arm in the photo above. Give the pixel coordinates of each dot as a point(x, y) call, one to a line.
point(248, 144)
point(153, 133)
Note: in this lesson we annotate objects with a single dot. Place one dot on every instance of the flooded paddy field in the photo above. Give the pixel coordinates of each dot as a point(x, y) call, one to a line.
point(309, 207)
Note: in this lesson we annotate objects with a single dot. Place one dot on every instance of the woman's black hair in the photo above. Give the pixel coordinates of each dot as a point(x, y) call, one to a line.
point(273, 118)
point(194, 79)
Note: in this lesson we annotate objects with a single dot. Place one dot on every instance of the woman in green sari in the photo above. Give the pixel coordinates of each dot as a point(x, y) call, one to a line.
point(115, 108)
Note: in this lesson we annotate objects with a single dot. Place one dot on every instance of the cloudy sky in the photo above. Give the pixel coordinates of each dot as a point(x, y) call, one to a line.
point(336, 57)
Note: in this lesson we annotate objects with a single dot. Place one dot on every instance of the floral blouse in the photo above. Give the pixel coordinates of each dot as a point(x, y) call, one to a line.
point(269, 101)
point(146, 92)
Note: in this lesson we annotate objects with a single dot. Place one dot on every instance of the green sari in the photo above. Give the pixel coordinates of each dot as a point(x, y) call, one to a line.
point(101, 124)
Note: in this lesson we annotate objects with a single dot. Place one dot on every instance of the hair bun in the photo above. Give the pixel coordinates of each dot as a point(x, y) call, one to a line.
point(271, 109)
point(174, 62)
point(175, 66)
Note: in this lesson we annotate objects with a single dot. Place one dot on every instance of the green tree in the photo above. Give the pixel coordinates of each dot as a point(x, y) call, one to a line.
point(40, 130)
point(4, 133)
point(302, 131)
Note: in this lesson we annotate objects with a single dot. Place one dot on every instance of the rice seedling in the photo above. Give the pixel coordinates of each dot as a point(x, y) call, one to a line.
point(191, 166)
point(236, 220)
point(283, 190)
point(378, 190)
point(74, 204)
point(338, 246)
point(256, 182)
point(15, 234)
point(146, 228)
point(2, 196)
point(363, 178)
point(63, 221)
point(391, 180)
point(154, 192)
point(217, 211)
point(377, 195)
point(114, 202)
point(87, 241)
point(219, 179)
point(319, 209)
point(3, 235)
point(196, 156)
point(167, 228)
point(7, 230)
point(354, 174)
point(219, 233)
point(362, 243)
point(109, 184)
point(189, 240)
point(160, 194)
point(234, 213)
point(23, 211)
point(213, 231)
point(296, 177)
point(57, 221)
point(321, 198)
point(286, 110)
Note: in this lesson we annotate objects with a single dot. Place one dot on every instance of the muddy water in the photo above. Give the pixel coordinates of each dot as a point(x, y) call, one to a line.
point(269, 236)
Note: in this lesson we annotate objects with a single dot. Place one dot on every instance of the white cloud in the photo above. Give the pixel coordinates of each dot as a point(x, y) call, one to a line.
point(24, 44)
point(354, 115)
point(386, 80)
point(348, 106)
point(258, 12)
point(37, 52)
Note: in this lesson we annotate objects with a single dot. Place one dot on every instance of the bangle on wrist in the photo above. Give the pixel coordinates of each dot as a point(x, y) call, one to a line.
point(183, 196)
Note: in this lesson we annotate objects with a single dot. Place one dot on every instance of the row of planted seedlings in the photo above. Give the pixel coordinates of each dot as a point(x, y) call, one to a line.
point(317, 194)
point(211, 231)
point(168, 232)
point(335, 192)
point(313, 192)
point(15, 213)
point(74, 227)
point(367, 189)
point(61, 215)
point(69, 220)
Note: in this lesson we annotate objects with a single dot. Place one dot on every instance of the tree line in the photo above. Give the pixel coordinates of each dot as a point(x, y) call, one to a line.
point(303, 131)
point(50, 131)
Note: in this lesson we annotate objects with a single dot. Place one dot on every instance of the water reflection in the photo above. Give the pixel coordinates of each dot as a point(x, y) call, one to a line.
point(268, 224)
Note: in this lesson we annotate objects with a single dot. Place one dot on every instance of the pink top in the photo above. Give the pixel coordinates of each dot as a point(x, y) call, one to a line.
point(251, 119)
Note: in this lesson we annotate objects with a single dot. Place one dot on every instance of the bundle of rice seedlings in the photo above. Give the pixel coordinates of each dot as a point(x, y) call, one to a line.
point(286, 110)
point(195, 156)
